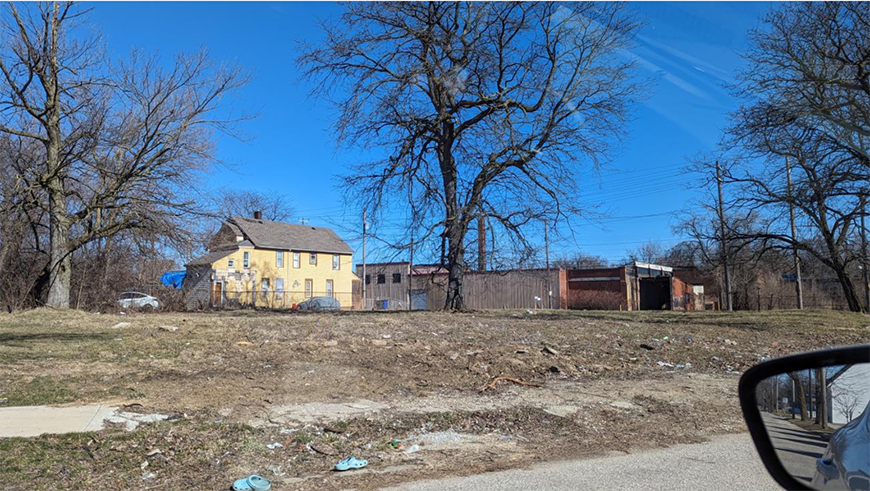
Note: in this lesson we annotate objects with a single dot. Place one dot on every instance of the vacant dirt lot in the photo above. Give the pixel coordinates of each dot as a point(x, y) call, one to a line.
point(328, 386)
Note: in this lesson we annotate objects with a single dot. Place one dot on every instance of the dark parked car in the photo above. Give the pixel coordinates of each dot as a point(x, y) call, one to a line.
point(846, 462)
point(320, 304)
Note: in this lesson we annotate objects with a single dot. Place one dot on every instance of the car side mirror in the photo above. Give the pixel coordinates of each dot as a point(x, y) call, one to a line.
point(809, 416)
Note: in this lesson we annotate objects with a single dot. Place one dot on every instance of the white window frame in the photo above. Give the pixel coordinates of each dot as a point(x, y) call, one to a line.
point(279, 289)
point(309, 288)
point(264, 285)
point(312, 258)
point(230, 263)
point(246, 260)
point(330, 288)
point(295, 260)
point(279, 259)
point(336, 262)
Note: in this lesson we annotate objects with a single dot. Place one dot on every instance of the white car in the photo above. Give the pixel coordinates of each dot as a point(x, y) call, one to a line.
point(136, 300)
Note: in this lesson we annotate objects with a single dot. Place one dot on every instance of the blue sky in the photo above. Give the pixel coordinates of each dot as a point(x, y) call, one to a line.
point(690, 49)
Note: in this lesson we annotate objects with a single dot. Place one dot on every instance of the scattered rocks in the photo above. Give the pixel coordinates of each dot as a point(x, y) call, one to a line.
point(549, 351)
point(168, 328)
point(646, 347)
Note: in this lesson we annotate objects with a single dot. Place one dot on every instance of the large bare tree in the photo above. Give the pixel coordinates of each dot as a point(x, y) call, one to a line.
point(475, 109)
point(827, 179)
point(117, 144)
point(813, 60)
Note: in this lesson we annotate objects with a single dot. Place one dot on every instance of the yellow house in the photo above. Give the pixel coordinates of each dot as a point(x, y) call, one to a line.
point(271, 264)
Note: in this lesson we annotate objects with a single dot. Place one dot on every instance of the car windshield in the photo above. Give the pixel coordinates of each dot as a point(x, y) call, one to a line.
point(467, 236)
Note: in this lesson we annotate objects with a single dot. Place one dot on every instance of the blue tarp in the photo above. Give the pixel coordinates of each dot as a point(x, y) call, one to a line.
point(173, 279)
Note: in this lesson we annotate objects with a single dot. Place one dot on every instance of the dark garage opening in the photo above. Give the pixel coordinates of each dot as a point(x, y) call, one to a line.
point(655, 293)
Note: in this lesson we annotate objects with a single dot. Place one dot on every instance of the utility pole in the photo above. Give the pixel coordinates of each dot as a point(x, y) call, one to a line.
point(303, 221)
point(410, 269)
point(722, 245)
point(799, 289)
point(547, 259)
point(864, 254)
point(481, 241)
point(365, 225)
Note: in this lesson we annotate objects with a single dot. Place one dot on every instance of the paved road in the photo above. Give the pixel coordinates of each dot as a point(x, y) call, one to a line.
point(728, 462)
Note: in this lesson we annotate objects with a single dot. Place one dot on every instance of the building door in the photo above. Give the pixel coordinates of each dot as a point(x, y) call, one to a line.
point(217, 289)
point(418, 300)
point(655, 293)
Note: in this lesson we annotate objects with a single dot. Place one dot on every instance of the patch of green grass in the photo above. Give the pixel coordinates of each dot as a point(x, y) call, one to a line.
point(39, 391)
point(303, 438)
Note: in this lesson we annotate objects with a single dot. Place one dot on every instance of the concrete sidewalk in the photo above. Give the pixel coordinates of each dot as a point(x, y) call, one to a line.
point(29, 421)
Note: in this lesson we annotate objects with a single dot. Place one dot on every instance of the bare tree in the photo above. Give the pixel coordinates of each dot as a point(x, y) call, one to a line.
point(580, 260)
point(827, 183)
point(232, 202)
point(648, 252)
point(811, 59)
point(848, 398)
point(479, 108)
point(117, 143)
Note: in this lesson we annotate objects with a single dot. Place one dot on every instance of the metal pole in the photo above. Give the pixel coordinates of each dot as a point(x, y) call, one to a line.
point(799, 290)
point(723, 242)
point(864, 255)
point(481, 241)
point(410, 269)
point(364, 224)
point(547, 259)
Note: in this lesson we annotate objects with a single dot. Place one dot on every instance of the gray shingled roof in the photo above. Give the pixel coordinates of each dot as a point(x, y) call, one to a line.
point(211, 257)
point(288, 236)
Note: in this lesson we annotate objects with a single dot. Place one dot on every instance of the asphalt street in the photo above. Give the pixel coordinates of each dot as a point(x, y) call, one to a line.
point(725, 463)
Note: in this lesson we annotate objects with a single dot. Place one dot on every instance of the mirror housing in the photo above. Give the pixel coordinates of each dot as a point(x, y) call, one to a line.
point(775, 367)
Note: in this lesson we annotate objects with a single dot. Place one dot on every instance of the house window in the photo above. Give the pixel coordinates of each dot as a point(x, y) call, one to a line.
point(336, 261)
point(312, 258)
point(264, 285)
point(230, 264)
point(279, 289)
point(368, 279)
point(279, 259)
point(382, 279)
point(246, 261)
point(328, 288)
point(296, 260)
point(397, 277)
point(309, 287)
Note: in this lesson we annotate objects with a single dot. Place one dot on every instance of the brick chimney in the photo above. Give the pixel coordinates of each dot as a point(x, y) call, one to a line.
point(258, 215)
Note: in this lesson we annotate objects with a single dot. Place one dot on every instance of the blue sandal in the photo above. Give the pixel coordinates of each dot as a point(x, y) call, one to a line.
point(252, 483)
point(351, 463)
